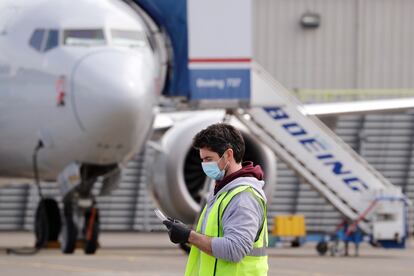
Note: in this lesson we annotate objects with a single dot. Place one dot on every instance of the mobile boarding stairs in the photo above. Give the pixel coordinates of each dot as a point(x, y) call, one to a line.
point(317, 154)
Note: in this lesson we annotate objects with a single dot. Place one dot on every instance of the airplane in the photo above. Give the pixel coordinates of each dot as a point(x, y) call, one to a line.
point(80, 96)
point(78, 91)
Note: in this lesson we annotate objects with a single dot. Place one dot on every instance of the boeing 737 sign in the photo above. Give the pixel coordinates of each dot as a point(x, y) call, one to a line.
point(220, 84)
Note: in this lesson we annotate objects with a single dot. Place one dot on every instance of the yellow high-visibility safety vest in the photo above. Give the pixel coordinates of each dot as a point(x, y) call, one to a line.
point(253, 264)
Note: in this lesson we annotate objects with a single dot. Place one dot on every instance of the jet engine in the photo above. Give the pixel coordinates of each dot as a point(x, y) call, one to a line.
point(178, 182)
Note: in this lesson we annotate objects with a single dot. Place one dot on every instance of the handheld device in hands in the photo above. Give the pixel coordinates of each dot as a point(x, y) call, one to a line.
point(160, 215)
point(178, 231)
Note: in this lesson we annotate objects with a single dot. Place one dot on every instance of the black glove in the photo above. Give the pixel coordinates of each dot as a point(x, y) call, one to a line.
point(178, 231)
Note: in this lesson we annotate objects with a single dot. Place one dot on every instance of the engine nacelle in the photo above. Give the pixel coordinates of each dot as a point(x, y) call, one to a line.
point(177, 179)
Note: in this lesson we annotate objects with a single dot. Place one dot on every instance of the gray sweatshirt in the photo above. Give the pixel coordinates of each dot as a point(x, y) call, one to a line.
point(241, 221)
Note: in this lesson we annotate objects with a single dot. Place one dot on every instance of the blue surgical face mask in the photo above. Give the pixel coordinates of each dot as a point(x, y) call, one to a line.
point(212, 170)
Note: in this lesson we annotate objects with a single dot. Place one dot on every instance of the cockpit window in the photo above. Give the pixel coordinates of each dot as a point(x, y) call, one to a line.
point(128, 38)
point(37, 39)
point(86, 37)
point(52, 40)
point(43, 40)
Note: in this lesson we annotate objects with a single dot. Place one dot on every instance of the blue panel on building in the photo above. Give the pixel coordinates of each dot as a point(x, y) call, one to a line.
point(172, 17)
point(220, 84)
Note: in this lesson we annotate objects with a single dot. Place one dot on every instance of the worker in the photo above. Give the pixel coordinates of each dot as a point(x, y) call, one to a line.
point(231, 235)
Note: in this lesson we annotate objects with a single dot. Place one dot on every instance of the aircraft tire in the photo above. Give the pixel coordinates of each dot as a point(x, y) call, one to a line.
point(69, 231)
point(47, 222)
point(54, 219)
point(91, 230)
point(322, 248)
point(41, 225)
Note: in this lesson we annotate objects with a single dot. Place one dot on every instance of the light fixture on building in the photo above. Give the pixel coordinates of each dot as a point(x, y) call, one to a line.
point(310, 20)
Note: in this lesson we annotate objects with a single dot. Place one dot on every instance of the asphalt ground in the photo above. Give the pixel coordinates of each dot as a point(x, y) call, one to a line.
point(152, 254)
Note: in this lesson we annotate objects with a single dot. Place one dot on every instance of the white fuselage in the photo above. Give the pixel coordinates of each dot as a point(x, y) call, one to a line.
point(77, 75)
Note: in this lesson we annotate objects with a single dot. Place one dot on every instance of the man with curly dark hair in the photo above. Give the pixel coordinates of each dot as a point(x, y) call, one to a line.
point(231, 235)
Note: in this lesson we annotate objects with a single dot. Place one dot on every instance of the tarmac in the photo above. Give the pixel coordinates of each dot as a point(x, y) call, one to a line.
point(153, 254)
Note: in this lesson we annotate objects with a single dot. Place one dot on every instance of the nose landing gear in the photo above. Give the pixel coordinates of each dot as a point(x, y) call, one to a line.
point(79, 208)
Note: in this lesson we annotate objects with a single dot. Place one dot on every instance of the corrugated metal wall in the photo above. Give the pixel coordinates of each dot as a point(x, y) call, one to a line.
point(359, 43)
point(386, 42)
point(386, 141)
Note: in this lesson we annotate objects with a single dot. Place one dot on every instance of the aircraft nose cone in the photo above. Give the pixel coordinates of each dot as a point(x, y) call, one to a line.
point(113, 95)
